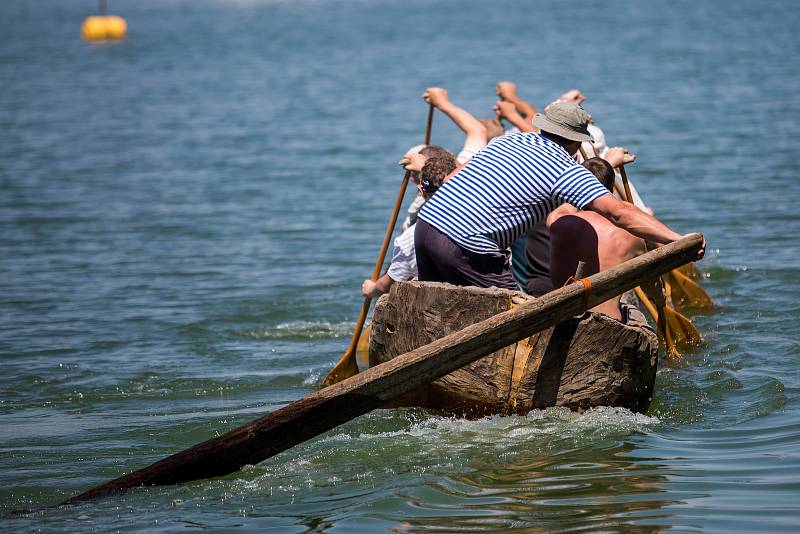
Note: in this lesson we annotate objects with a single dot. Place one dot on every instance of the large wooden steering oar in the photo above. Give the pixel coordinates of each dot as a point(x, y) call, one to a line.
point(674, 327)
point(347, 366)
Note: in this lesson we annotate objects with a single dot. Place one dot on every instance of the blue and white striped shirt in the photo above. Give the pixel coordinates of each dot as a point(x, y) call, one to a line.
point(515, 181)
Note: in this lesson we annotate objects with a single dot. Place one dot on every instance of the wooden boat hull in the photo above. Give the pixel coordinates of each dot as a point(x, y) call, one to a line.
point(587, 361)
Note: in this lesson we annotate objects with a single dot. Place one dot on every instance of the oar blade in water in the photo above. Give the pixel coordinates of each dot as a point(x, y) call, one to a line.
point(691, 270)
point(344, 368)
point(684, 333)
point(686, 293)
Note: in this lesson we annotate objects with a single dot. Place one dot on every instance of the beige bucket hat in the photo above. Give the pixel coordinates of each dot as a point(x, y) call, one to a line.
point(568, 120)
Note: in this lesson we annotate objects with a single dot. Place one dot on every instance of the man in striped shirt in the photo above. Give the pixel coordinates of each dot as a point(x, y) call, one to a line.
point(464, 233)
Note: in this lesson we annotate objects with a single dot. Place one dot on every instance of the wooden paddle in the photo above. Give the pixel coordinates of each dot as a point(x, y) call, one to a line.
point(691, 270)
point(327, 408)
point(658, 316)
point(686, 293)
point(363, 342)
point(347, 366)
point(674, 327)
point(682, 291)
point(673, 355)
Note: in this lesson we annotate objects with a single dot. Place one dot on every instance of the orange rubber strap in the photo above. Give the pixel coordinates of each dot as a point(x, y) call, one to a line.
point(587, 289)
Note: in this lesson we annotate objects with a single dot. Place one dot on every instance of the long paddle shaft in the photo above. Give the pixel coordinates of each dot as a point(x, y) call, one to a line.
point(674, 356)
point(429, 126)
point(681, 290)
point(359, 394)
point(347, 366)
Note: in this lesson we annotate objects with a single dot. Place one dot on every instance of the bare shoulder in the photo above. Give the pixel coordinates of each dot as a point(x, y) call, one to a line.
point(561, 211)
point(601, 224)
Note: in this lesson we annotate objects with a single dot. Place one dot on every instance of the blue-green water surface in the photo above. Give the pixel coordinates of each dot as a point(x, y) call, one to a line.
point(186, 217)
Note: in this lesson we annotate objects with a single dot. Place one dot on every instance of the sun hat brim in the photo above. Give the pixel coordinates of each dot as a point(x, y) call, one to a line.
point(547, 125)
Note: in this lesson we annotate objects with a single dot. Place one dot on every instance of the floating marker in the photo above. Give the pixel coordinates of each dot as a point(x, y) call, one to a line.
point(104, 27)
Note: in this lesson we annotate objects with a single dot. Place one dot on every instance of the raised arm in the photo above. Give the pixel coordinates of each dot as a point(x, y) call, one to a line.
point(618, 155)
point(475, 131)
point(508, 111)
point(507, 92)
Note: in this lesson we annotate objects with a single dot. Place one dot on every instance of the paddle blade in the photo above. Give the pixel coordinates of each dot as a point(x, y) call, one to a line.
point(347, 366)
point(675, 358)
point(690, 270)
point(686, 293)
point(363, 341)
point(683, 332)
point(344, 368)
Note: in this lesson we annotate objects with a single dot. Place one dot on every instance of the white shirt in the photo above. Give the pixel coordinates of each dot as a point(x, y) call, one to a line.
point(404, 259)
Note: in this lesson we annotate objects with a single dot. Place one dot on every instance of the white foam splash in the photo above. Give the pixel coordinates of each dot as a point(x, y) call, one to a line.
point(302, 330)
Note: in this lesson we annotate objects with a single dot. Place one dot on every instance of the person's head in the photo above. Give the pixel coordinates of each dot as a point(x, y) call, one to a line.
point(602, 170)
point(425, 151)
point(433, 173)
point(435, 151)
point(493, 127)
point(565, 124)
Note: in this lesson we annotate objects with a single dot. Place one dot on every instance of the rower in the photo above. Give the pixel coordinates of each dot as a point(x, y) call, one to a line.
point(589, 237)
point(464, 233)
point(532, 263)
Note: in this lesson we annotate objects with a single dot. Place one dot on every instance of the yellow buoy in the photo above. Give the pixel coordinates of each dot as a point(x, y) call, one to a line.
point(104, 28)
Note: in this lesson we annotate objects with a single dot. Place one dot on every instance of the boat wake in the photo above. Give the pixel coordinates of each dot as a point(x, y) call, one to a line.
point(412, 442)
point(507, 432)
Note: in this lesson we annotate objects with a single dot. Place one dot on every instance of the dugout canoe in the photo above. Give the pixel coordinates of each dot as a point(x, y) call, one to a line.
point(590, 360)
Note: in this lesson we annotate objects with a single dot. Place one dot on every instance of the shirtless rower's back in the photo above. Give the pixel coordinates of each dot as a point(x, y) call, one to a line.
point(589, 237)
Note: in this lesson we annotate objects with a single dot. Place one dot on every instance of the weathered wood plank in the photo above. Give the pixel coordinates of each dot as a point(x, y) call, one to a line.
point(332, 406)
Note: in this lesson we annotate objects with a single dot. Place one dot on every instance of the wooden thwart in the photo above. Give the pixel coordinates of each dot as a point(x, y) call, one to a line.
point(359, 394)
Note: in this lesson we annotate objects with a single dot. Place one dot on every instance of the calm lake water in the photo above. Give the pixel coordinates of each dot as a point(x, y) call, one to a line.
point(186, 218)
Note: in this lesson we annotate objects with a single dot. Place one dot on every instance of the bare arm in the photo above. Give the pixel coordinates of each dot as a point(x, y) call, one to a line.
point(375, 289)
point(630, 218)
point(506, 110)
point(639, 223)
point(507, 92)
point(475, 131)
